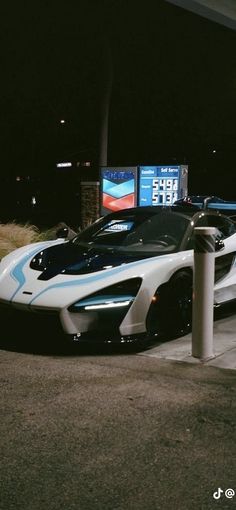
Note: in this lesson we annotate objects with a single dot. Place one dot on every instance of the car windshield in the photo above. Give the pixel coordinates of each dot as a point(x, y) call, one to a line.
point(160, 232)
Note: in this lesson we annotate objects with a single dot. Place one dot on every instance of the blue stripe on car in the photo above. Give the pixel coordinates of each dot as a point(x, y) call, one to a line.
point(17, 273)
point(84, 281)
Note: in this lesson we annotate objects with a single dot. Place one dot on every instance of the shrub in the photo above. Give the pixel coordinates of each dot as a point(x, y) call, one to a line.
point(14, 235)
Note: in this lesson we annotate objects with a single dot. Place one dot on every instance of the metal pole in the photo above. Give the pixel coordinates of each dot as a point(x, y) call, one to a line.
point(105, 103)
point(203, 293)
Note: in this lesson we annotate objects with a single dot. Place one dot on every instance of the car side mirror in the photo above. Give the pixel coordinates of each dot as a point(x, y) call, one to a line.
point(219, 244)
point(62, 233)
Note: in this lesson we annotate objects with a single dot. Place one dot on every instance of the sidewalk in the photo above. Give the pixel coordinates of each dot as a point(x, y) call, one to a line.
point(224, 342)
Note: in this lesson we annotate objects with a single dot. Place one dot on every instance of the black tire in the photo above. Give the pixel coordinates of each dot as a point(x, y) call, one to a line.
point(179, 306)
point(171, 317)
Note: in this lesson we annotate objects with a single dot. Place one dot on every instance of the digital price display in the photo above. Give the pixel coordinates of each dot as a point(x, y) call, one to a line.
point(159, 185)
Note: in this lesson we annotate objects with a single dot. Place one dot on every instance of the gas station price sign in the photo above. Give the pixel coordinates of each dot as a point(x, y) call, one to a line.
point(125, 187)
point(159, 185)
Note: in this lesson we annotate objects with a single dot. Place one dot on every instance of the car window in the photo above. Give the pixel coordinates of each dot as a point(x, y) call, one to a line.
point(225, 227)
point(164, 228)
point(112, 229)
point(155, 232)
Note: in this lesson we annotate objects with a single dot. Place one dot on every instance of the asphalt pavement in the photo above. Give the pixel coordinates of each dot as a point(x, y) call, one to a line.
point(116, 430)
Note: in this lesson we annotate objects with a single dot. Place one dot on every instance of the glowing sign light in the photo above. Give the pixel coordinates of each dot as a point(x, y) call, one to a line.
point(66, 163)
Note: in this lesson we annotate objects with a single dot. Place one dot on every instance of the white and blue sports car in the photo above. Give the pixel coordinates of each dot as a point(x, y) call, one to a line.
point(126, 277)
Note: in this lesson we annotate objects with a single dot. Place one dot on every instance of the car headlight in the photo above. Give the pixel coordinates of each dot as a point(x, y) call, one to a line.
point(103, 302)
point(118, 296)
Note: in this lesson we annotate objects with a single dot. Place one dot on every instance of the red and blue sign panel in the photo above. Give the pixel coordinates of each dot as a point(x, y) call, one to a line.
point(118, 188)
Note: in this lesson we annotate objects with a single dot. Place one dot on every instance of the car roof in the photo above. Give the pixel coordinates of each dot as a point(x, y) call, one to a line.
point(186, 210)
point(199, 198)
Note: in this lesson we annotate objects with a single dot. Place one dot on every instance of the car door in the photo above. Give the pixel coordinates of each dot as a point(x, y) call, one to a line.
point(225, 259)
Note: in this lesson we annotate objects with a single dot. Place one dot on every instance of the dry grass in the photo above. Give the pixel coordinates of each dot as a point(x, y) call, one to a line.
point(14, 235)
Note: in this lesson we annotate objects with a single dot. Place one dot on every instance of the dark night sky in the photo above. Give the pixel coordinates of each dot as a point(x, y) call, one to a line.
point(173, 97)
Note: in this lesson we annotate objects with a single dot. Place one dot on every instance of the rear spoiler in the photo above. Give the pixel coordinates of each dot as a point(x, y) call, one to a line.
point(211, 202)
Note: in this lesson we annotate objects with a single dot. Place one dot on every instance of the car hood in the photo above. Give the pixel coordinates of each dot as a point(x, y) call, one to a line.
point(71, 259)
point(23, 287)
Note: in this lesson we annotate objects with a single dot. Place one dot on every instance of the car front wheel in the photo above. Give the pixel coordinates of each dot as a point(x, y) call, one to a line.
point(170, 315)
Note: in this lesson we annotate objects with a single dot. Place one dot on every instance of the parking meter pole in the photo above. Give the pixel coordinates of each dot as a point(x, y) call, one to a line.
point(203, 293)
